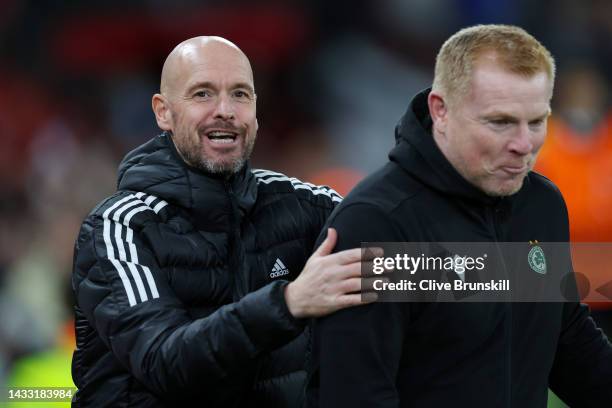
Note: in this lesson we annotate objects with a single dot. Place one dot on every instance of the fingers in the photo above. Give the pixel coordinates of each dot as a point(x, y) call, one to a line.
point(349, 256)
point(328, 244)
point(369, 297)
point(369, 269)
point(352, 285)
point(367, 284)
point(333, 281)
point(349, 271)
point(362, 269)
point(356, 299)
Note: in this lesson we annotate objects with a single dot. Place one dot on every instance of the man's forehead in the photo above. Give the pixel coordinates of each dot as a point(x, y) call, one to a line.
point(216, 77)
point(217, 66)
point(489, 82)
point(489, 74)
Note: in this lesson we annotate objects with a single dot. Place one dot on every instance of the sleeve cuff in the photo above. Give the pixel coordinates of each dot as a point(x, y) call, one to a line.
point(266, 317)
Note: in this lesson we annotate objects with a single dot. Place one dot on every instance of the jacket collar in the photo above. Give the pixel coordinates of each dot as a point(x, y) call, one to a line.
point(156, 168)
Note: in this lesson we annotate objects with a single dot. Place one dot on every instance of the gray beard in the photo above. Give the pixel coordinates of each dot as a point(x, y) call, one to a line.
point(190, 155)
point(225, 168)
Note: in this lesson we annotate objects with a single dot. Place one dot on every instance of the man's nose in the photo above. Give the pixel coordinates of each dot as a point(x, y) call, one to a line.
point(522, 142)
point(224, 109)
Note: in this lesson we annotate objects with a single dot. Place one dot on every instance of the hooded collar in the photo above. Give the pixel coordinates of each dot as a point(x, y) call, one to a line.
point(156, 168)
point(417, 153)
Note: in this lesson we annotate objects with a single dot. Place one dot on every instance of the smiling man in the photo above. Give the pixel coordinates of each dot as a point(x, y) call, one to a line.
point(210, 109)
point(194, 280)
point(461, 172)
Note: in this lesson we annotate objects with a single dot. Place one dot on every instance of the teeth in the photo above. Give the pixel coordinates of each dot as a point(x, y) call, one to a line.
point(221, 134)
point(222, 140)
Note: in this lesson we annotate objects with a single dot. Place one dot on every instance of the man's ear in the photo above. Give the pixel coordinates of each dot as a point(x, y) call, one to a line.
point(438, 109)
point(163, 116)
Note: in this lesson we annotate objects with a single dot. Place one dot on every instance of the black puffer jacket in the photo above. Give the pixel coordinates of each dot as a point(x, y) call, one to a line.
point(179, 279)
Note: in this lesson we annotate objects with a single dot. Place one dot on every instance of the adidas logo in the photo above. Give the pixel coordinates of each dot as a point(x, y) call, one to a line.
point(279, 269)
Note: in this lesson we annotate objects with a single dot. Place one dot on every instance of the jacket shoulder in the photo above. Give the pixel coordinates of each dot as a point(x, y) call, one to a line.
point(130, 208)
point(388, 189)
point(545, 187)
point(544, 182)
point(271, 182)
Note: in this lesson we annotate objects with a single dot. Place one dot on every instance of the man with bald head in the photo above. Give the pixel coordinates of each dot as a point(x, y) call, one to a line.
point(194, 280)
point(220, 144)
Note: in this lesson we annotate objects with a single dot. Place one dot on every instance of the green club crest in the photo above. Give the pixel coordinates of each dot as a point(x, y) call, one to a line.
point(537, 260)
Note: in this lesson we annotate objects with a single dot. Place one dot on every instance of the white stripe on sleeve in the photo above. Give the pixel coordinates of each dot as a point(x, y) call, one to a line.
point(124, 211)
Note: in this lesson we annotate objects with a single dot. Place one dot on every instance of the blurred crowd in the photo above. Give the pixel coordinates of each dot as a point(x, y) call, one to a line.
point(332, 80)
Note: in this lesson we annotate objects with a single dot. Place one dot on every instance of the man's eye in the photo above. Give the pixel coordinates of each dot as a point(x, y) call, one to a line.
point(500, 122)
point(201, 94)
point(242, 94)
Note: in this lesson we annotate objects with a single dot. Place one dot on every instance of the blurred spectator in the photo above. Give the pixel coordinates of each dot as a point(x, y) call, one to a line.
point(577, 155)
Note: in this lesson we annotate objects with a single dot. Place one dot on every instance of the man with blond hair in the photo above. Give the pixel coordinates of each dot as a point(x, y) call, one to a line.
point(194, 280)
point(461, 172)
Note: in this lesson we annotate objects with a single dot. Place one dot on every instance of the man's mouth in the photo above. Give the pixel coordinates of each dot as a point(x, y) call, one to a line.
point(515, 170)
point(221, 136)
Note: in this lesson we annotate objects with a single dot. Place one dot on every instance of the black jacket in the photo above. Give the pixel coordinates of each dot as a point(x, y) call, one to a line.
point(453, 354)
point(179, 280)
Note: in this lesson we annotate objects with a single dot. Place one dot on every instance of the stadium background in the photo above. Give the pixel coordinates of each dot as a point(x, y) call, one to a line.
point(332, 78)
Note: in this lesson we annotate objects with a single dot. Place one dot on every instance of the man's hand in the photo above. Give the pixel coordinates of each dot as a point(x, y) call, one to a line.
point(329, 282)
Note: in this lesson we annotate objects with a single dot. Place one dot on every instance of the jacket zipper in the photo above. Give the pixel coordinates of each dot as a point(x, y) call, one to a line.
point(494, 211)
point(233, 267)
point(236, 277)
point(234, 273)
